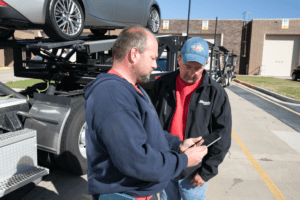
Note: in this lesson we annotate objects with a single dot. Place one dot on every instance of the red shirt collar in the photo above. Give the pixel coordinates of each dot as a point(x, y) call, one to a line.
point(112, 71)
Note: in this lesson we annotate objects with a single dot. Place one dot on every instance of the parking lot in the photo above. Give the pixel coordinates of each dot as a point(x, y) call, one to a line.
point(262, 163)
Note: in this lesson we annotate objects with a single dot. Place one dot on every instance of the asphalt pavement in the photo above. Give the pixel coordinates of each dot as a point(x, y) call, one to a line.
point(279, 109)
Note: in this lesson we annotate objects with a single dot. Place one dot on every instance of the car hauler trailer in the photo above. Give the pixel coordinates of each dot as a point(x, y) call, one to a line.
point(45, 123)
point(222, 64)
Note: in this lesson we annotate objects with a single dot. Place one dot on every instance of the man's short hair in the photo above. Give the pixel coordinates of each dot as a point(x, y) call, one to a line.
point(131, 36)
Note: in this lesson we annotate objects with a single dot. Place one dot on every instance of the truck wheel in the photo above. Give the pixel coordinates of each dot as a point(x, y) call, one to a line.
point(153, 22)
point(64, 22)
point(73, 151)
point(5, 34)
point(294, 77)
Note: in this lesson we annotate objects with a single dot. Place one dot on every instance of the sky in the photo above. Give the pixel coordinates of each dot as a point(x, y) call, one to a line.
point(230, 9)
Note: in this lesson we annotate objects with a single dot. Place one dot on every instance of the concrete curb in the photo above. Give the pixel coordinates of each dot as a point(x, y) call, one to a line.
point(273, 94)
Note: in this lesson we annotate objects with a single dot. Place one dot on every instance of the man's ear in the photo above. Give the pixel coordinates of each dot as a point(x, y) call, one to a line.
point(133, 55)
point(207, 61)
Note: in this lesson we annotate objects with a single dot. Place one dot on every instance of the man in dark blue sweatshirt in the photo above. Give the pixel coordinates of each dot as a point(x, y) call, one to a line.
point(128, 152)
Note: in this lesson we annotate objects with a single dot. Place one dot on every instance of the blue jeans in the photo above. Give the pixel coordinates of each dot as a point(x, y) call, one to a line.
point(184, 189)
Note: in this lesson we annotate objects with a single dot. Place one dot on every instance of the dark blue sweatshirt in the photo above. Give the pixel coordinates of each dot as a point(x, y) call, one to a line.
point(127, 149)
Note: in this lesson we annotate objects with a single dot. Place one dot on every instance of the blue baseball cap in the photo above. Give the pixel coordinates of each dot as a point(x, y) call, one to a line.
point(195, 49)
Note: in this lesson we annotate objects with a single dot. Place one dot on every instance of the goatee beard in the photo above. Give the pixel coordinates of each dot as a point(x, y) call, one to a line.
point(144, 79)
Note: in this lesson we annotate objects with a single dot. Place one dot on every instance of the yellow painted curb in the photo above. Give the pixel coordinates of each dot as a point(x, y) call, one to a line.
point(4, 68)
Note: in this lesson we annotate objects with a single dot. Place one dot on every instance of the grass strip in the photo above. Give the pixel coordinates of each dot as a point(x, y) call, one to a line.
point(281, 86)
point(23, 84)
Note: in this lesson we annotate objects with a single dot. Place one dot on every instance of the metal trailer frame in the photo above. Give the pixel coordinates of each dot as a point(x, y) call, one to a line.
point(93, 56)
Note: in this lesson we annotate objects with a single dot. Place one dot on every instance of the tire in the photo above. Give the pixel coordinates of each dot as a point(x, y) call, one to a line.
point(59, 25)
point(226, 81)
point(153, 21)
point(229, 78)
point(71, 158)
point(98, 32)
point(294, 77)
point(5, 34)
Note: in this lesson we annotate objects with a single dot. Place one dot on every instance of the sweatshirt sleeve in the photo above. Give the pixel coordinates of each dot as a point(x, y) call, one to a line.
point(221, 125)
point(125, 142)
point(173, 141)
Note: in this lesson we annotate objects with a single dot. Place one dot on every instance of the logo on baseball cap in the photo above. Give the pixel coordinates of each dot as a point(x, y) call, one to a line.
point(195, 49)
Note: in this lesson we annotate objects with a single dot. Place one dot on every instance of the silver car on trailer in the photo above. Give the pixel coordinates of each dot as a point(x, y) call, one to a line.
point(66, 19)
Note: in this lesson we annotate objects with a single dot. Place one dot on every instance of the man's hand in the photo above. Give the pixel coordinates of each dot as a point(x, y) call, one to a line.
point(195, 155)
point(189, 142)
point(197, 180)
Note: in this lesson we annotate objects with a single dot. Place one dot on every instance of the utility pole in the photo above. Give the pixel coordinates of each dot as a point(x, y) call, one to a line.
point(188, 22)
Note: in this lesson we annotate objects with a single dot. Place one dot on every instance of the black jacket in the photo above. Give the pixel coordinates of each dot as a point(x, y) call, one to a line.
point(209, 113)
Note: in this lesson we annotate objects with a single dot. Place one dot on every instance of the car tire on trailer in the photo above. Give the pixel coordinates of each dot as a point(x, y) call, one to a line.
point(229, 76)
point(98, 32)
point(5, 34)
point(153, 22)
point(64, 22)
point(294, 77)
point(72, 149)
point(226, 81)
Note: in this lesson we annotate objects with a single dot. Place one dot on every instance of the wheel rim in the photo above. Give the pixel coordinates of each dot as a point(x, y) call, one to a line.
point(68, 17)
point(154, 20)
point(81, 140)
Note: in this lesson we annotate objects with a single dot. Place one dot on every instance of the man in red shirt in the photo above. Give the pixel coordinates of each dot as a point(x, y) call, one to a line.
point(129, 155)
point(190, 104)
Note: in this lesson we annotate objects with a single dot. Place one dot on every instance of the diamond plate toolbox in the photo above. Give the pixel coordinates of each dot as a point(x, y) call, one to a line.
point(18, 152)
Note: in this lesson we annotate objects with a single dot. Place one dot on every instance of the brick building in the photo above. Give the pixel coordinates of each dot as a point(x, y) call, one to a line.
point(6, 55)
point(273, 47)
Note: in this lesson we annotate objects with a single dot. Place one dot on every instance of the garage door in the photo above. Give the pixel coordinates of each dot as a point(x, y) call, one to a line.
point(210, 38)
point(280, 55)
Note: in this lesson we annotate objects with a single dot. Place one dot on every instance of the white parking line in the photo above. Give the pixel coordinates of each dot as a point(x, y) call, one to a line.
point(291, 138)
